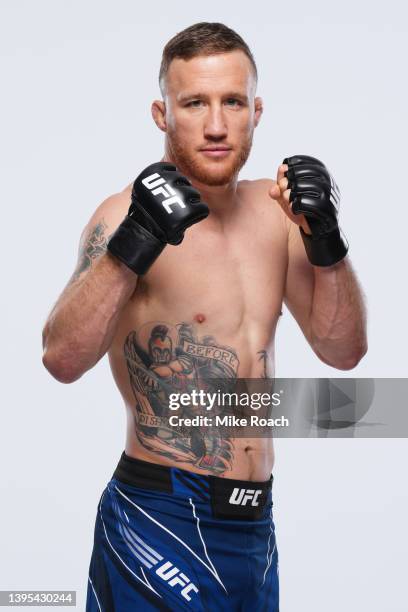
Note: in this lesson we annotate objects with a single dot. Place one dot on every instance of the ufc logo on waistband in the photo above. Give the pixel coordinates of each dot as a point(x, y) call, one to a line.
point(158, 186)
point(240, 497)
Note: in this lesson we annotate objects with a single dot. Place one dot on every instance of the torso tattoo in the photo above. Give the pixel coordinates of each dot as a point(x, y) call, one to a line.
point(164, 359)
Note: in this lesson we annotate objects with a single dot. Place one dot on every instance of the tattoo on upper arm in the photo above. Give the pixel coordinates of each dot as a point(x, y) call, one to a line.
point(92, 246)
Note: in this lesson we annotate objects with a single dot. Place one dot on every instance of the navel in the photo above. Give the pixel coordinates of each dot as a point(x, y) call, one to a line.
point(199, 317)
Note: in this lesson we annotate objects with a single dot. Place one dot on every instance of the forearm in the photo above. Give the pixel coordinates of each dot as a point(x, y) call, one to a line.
point(81, 326)
point(337, 320)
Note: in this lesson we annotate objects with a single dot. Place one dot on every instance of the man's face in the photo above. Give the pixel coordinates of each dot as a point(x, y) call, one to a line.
point(210, 114)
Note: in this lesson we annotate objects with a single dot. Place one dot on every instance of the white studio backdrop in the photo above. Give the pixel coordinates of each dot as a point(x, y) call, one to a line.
point(77, 82)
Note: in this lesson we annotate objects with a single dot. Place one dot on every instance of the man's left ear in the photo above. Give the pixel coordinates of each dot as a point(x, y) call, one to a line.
point(258, 110)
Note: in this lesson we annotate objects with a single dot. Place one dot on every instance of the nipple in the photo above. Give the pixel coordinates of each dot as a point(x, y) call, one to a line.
point(200, 318)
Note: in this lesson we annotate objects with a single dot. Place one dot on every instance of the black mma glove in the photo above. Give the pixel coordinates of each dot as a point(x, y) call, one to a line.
point(314, 193)
point(163, 205)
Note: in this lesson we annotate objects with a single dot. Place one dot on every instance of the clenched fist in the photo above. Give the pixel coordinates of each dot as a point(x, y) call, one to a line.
point(310, 197)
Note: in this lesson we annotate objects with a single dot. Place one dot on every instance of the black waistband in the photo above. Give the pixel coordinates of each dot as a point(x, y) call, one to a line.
point(143, 474)
point(229, 497)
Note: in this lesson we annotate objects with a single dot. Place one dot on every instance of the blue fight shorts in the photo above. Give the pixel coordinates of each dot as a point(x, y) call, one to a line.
point(170, 539)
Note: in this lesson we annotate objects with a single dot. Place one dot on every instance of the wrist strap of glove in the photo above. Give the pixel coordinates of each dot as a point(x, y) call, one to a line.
point(135, 246)
point(325, 250)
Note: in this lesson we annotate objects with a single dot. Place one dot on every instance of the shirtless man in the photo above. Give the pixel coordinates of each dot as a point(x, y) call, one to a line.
point(186, 521)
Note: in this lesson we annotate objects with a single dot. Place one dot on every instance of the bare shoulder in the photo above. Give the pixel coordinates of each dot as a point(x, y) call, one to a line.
point(111, 211)
point(258, 188)
point(256, 194)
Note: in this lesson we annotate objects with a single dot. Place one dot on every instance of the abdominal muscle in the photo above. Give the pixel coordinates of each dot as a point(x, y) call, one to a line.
point(159, 358)
point(253, 458)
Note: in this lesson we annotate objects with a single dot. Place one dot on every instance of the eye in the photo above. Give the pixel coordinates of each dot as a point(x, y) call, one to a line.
point(233, 102)
point(194, 103)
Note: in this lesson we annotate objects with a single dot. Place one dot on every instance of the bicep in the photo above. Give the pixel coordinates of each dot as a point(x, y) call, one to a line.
point(299, 281)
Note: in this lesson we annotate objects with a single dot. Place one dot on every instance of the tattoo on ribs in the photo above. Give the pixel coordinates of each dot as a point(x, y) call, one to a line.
point(263, 358)
point(164, 359)
point(92, 247)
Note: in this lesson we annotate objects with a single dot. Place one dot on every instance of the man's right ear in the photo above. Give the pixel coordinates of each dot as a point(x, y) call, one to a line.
point(159, 114)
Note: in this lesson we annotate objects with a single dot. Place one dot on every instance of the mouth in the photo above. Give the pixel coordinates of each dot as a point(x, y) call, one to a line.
point(216, 151)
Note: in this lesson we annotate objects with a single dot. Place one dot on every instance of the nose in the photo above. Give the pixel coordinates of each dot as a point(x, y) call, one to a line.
point(215, 126)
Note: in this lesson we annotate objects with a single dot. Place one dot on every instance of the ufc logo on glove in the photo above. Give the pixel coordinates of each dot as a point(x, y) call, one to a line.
point(157, 185)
